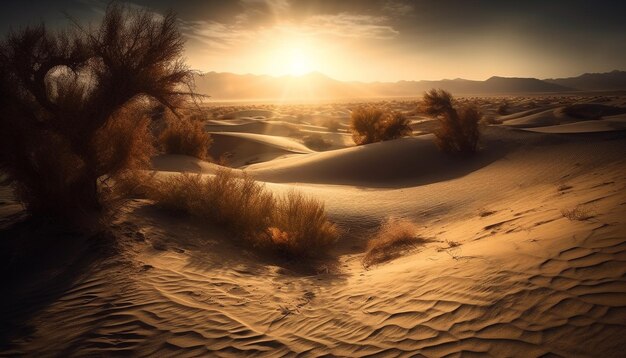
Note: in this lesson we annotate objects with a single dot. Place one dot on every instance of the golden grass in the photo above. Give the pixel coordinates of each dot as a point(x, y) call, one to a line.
point(184, 136)
point(395, 237)
point(292, 224)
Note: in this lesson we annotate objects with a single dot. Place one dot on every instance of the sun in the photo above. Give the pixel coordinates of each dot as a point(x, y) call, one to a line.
point(299, 61)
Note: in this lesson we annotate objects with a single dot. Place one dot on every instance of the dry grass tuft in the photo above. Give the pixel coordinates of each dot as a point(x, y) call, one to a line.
point(394, 237)
point(185, 136)
point(300, 226)
point(370, 124)
point(458, 132)
point(293, 224)
point(579, 213)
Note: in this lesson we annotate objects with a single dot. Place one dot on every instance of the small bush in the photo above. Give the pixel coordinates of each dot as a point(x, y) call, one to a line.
point(395, 126)
point(184, 136)
point(458, 131)
point(292, 224)
point(300, 226)
point(371, 124)
point(316, 142)
point(394, 237)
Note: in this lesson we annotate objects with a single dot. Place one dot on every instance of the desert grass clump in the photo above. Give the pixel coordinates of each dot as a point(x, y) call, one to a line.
point(292, 224)
point(370, 124)
point(185, 136)
point(394, 237)
point(579, 213)
point(62, 96)
point(300, 226)
point(458, 131)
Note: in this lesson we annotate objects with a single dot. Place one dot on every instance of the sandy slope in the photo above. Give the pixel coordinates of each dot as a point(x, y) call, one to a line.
point(506, 274)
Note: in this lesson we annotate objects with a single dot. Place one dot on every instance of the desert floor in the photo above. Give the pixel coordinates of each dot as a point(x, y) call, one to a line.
point(526, 253)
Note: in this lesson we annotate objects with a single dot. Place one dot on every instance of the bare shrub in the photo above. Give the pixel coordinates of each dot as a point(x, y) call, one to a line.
point(300, 226)
point(185, 136)
point(458, 131)
point(294, 224)
point(396, 125)
point(365, 125)
point(62, 95)
point(132, 184)
point(394, 237)
point(315, 141)
point(370, 124)
point(579, 213)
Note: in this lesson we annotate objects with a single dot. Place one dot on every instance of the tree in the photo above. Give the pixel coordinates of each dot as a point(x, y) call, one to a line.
point(458, 131)
point(62, 95)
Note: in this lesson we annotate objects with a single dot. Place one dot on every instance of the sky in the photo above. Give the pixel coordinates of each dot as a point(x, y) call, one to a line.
point(376, 40)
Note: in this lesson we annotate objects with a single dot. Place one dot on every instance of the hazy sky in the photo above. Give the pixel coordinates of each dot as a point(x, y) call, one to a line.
point(385, 40)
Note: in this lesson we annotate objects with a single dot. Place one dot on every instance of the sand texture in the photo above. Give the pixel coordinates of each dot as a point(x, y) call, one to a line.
point(505, 272)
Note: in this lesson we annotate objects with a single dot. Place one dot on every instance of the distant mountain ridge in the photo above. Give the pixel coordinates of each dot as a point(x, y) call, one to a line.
point(608, 81)
point(229, 86)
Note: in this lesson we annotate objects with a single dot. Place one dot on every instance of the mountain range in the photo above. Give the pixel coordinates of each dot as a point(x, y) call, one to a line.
point(229, 86)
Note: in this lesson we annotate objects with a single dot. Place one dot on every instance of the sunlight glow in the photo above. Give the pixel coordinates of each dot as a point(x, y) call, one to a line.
point(299, 62)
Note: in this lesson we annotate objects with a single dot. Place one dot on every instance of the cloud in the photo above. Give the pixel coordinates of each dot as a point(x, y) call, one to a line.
point(222, 35)
point(216, 34)
point(395, 7)
point(347, 25)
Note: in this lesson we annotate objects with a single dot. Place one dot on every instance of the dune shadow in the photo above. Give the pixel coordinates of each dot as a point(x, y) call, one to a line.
point(394, 164)
point(39, 263)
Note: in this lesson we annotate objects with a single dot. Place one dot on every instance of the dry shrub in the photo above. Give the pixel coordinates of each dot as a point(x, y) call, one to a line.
point(133, 184)
point(394, 237)
point(315, 141)
point(370, 124)
point(300, 225)
point(61, 135)
point(395, 126)
point(458, 131)
point(579, 213)
point(187, 137)
point(292, 224)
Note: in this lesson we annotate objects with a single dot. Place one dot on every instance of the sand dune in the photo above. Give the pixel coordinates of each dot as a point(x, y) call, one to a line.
point(505, 272)
point(609, 124)
point(277, 128)
point(182, 164)
point(567, 115)
point(240, 149)
point(254, 113)
point(404, 161)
